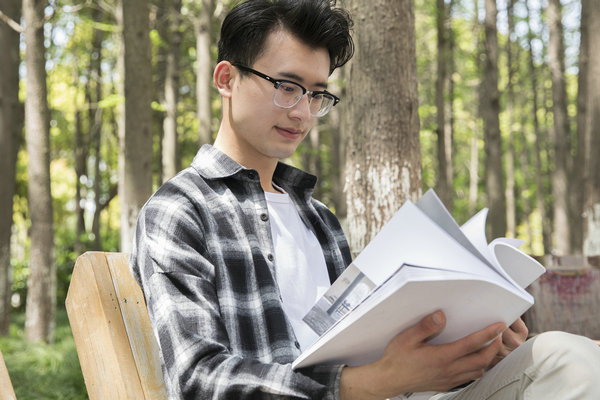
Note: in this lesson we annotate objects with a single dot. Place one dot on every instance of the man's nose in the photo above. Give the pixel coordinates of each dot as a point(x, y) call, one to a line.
point(302, 109)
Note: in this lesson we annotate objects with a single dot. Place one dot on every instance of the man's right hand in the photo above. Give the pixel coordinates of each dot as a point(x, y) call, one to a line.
point(410, 364)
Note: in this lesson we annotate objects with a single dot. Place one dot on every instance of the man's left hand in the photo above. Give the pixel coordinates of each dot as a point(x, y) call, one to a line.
point(513, 337)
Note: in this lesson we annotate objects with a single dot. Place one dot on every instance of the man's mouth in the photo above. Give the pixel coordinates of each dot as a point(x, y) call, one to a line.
point(289, 132)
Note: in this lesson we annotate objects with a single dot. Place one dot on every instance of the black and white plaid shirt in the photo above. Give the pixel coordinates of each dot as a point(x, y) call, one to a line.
point(203, 256)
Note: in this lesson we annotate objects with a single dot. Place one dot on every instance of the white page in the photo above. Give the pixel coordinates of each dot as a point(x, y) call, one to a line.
point(503, 252)
point(523, 268)
point(511, 241)
point(413, 238)
point(433, 207)
point(474, 230)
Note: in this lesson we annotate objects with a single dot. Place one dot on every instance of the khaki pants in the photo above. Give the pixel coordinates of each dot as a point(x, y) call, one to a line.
point(552, 365)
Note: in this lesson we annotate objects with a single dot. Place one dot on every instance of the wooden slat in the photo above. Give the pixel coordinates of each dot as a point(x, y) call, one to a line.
point(137, 324)
point(103, 346)
point(6, 388)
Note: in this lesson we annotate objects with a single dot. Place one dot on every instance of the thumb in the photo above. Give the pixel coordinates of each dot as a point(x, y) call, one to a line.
point(428, 327)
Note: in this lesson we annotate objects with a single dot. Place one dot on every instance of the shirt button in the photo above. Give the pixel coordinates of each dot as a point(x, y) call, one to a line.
point(264, 217)
point(297, 345)
point(251, 175)
point(270, 257)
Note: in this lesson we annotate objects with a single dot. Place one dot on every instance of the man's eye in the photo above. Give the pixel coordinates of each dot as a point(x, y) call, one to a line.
point(287, 88)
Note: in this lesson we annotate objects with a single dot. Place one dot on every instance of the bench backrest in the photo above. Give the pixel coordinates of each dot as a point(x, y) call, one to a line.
point(115, 344)
point(6, 388)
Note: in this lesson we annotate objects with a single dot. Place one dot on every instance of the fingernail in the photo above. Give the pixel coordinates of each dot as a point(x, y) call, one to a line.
point(437, 318)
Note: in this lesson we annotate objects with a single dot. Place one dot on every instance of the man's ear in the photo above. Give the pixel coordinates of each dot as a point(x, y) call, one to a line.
point(223, 78)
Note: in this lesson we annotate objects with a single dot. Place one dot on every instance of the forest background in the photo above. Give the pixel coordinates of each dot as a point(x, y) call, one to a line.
point(102, 101)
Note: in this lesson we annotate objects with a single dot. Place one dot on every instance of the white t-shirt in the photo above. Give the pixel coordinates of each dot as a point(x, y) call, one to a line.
point(299, 264)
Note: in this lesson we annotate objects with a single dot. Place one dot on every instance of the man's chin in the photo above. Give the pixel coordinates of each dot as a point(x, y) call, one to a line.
point(282, 152)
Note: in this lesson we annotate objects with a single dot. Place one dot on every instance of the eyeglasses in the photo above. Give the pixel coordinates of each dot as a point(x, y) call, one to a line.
point(289, 93)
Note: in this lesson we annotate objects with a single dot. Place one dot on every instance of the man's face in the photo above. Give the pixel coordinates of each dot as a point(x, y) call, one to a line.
point(263, 130)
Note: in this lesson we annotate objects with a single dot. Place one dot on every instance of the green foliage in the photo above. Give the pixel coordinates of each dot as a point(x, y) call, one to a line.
point(43, 371)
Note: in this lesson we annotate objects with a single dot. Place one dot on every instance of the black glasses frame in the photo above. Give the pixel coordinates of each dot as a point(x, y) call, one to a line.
point(277, 82)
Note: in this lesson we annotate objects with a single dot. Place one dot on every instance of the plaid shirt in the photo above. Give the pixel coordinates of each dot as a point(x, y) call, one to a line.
point(203, 256)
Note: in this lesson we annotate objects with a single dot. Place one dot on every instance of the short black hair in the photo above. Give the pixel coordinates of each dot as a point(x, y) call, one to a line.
point(317, 23)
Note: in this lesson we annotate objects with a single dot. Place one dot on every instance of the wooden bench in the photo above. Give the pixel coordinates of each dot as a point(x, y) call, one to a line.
point(6, 388)
point(115, 344)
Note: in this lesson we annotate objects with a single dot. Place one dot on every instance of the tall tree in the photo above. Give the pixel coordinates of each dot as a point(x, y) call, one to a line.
point(203, 28)
point(10, 127)
point(556, 62)
point(579, 174)
point(592, 132)
point(474, 156)
point(538, 145)
point(172, 42)
point(95, 119)
point(511, 217)
point(41, 293)
point(81, 150)
point(444, 137)
point(383, 167)
point(135, 128)
point(311, 155)
point(490, 111)
point(337, 143)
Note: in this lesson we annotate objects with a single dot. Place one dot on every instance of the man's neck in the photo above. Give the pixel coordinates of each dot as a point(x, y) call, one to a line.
point(264, 166)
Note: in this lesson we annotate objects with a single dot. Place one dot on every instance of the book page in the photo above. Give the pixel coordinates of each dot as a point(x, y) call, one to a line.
point(411, 237)
point(348, 291)
point(433, 207)
point(520, 266)
point(503, 252)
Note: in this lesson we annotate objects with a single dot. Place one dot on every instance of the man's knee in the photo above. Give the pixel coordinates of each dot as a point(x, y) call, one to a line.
point(576, 354)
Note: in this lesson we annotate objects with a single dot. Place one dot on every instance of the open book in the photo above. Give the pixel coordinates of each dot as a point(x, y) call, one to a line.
point(420, 262)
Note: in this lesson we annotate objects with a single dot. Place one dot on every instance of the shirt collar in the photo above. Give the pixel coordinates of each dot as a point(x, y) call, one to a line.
point(212, 163)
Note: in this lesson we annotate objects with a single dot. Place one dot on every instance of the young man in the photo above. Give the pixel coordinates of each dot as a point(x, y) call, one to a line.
point(234, 250)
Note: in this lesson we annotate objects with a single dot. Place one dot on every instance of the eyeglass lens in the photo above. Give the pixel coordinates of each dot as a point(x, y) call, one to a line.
point(288, 94)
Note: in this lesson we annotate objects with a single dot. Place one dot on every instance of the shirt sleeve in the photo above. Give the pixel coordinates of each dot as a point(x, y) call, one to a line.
point(180, 290)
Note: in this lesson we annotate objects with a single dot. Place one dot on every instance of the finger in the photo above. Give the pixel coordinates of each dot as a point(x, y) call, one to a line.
point(477, 340)
point(479, 360)
point(519, 327)
point(516, 335)
point(427, 327)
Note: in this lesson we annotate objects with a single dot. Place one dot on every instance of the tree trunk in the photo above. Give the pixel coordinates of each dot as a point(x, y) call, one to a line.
point(10, 128)
point(592, 201)
point(511, 213)
point(450, 117)
point(204, 71)
point(383, 168)
point(579, 175)
point(96, 130)
point(444, 142)
point(81, 154)
point(135, 128)
point(474, 170)
point(311, 157)
point(338, 140)
point(41, 292)
point(490, 110)
point(561, 129)
point(171, 90)
point(474, 157)
point(539, 177)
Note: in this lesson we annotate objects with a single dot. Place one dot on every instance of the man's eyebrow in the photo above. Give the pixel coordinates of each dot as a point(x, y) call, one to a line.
point(296, 78)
